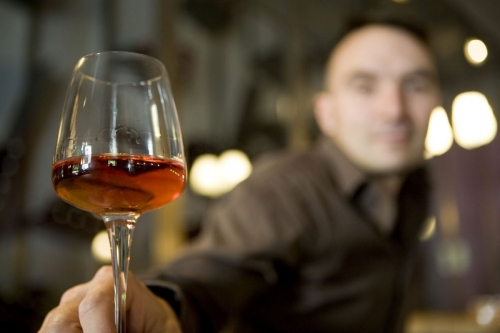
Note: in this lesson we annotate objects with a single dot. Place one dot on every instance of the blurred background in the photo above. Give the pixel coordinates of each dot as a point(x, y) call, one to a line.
point(243, 75)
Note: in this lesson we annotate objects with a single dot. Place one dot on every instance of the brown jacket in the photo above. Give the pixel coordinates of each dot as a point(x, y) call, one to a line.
point(294, 249)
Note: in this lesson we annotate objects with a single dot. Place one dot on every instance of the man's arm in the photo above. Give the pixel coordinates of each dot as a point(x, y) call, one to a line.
point(234, 260)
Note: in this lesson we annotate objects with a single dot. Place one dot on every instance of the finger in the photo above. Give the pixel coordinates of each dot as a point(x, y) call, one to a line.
point(63, 318)
point(74, 294)
point(171, 323)
point(149, 313)
point(96, 309)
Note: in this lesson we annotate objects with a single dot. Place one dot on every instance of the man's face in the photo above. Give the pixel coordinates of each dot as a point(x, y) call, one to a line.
point(382, 87)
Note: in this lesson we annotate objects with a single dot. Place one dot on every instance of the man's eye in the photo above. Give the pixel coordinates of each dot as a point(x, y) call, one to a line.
point(416, 85)
point(365, 88)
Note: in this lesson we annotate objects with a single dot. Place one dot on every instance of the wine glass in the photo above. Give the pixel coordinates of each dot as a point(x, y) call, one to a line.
point(119, 151)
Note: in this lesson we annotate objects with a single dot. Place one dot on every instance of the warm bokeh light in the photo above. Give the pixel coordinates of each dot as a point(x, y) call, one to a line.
point(205, 178)
point(453, 257)
point(439, 135)
point(235, 165)
point(475, 51)
point(474, 123)
point(429, 229)
point(213, 176)
point(100, 247)
point(486, 314)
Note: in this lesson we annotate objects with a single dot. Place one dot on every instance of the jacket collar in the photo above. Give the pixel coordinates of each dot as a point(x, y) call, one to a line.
point(348, 176)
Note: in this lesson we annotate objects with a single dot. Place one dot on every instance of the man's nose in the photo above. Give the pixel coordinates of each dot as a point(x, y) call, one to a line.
point(392, 103)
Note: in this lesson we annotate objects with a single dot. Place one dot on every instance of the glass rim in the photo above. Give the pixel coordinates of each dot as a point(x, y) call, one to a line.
point(163, 71)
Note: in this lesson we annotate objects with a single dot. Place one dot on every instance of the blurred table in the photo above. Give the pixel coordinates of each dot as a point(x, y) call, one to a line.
point(447, 322)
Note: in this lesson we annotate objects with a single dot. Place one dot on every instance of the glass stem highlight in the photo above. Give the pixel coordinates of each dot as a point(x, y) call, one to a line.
point(120, 231)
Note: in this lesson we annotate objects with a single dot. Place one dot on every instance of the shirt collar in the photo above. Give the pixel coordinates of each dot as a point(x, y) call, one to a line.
point(357, 186)
point(349, 177)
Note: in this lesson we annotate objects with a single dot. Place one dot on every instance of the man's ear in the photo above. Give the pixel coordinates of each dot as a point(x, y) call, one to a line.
point(324, 109)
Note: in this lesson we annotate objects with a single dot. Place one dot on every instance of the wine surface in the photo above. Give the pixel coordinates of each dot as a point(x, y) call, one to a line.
point(118, 183)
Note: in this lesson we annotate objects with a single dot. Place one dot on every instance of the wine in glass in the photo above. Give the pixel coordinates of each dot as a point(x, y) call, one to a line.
point(119, 151)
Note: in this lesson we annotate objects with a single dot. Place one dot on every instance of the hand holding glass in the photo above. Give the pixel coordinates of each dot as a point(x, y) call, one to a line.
point(119, 151)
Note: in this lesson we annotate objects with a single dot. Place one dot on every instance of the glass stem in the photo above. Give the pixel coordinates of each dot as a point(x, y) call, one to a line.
point(120, 231)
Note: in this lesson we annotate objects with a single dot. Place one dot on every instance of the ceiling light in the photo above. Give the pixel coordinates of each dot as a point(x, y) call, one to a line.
point(439, 135)
point(475, 51)
point(474, 123)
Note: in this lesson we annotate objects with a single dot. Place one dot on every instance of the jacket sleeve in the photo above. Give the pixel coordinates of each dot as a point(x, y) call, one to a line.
point(244, 237)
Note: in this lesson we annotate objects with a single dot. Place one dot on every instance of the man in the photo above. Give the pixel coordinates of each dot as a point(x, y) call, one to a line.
point(318, 241)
